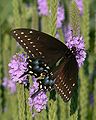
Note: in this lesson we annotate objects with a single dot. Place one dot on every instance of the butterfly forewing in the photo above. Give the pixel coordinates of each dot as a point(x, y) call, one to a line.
point(40, 45)
point(66, 78)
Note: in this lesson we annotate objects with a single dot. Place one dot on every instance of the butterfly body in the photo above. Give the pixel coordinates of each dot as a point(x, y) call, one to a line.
point(49, 51)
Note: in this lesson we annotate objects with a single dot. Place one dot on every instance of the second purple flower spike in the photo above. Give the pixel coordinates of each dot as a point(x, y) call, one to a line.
point(17, 67)
point(37, 101)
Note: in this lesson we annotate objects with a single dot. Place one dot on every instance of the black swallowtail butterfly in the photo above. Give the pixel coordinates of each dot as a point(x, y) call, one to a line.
point(51, 51)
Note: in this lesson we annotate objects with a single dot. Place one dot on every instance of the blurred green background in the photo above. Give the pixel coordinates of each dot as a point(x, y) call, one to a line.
point(24, 13)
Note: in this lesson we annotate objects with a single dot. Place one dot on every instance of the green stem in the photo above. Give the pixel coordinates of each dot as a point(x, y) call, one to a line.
point(83, 95)
point(52, 110)
point(85, 22)
point(52, 6)
point(61, 35)
point(2, 90)
point(74, 18)
point(28, 113)
point(23, 13)
point(17, 23)
point(21, 101)
point(34, 16)
point(94, 93)
point(74, 105)
point(44, 25)
point(84, 77)
point(16, 15)
point(6, 54)
point(62, 111)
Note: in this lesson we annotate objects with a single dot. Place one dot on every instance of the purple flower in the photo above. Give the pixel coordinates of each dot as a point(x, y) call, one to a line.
point(78, 43)
point(60, 16)
point(9, 84)
point(39, 100)
point(42, 7)
point(17, 67)
point(80, 5)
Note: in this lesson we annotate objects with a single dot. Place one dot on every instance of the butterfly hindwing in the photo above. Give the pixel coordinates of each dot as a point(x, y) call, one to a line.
point(40, 45)
point(66, 78)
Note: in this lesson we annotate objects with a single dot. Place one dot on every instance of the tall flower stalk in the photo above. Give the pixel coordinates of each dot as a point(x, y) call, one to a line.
point(74, 39)
point(80, 6)
point(52, 7)
point(84, 76)
point(2, 91)
point(94, 92)
point(44, 8)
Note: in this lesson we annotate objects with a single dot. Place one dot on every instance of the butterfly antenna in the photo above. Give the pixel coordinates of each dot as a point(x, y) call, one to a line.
point(37, 92)
point(25, 73)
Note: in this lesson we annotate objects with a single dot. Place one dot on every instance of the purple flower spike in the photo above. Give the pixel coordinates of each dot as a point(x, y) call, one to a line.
point(39, 100)
point(17, 67)
point(42, 7)
point(78, 43)
point(80, 5)
point(10, 85)
point(60, 16)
